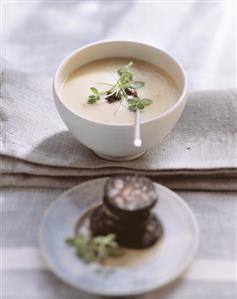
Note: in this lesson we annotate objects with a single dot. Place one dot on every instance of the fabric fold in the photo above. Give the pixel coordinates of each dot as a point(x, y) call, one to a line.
point(176, 182)
point(37, 143)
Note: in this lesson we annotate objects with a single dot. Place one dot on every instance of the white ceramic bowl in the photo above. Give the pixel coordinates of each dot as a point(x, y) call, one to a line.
point(115, 142)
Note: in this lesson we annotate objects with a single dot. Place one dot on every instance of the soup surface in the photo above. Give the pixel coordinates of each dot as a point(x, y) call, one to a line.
point(159, 87)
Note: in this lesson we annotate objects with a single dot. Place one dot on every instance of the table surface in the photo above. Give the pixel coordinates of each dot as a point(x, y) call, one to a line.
point(26, 275)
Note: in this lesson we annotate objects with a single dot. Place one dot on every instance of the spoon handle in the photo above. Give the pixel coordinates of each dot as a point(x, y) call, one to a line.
point(137, 130)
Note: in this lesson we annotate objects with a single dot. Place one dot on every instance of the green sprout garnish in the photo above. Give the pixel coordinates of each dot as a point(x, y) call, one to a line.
point(124, 90)
point(138, 103)
point(96, 248)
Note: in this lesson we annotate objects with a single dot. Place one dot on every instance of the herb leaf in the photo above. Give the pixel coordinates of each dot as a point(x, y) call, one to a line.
point(138, 103)
point(146, 102)
point(93, 99)
point(95, 249)
point(137, 84)
point(124, 68)
point(94, 90)
point(126, 75)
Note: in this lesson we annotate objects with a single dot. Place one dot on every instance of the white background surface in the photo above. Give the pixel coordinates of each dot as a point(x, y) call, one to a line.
point(200, 34)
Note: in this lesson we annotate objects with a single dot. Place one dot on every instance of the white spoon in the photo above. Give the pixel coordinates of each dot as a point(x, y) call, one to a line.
point(137, 130)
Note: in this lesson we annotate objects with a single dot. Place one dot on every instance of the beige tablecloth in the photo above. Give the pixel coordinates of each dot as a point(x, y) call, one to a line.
point(38, 150)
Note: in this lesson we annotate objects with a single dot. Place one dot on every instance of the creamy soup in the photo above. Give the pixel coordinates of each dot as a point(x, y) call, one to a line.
point(159, 87)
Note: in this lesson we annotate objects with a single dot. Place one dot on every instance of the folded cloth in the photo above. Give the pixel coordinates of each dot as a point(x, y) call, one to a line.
point(37, 147)
point(176, 182)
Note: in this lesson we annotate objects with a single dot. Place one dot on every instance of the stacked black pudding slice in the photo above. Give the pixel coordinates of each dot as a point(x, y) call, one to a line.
point(126, 212)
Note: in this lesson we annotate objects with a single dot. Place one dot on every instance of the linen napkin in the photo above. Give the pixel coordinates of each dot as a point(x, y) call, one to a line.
point(38, 150)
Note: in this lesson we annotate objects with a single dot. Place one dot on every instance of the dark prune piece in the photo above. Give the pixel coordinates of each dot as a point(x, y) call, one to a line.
point(131, 92)
point(114, 97)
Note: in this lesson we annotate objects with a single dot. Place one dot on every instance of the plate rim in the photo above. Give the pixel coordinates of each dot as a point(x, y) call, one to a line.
point(176, 274)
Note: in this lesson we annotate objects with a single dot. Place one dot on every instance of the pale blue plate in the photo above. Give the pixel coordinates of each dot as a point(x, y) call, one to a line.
point(138, 271)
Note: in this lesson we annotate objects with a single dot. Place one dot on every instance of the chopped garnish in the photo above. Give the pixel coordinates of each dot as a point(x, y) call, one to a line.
point(124, 90)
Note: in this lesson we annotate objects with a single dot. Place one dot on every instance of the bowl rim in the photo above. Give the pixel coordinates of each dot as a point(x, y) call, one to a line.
point(180, 99)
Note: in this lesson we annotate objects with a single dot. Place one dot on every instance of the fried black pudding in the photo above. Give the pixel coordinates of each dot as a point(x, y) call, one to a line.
point(137, 237)
point(126, 212)
point(129, 196)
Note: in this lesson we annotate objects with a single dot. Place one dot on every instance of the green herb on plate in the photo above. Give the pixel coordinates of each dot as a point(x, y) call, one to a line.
point(95, 248)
